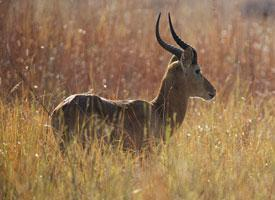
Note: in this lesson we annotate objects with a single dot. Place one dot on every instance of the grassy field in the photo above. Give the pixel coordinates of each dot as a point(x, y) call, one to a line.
point(225, 148)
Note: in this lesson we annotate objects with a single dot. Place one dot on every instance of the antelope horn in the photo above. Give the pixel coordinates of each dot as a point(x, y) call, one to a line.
point(181, 43)
point(177, 52)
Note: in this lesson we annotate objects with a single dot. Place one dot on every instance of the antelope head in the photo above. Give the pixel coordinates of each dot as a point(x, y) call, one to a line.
point(184, 73)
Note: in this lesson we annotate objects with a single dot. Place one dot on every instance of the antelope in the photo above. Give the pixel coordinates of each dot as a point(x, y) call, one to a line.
point(137, 122)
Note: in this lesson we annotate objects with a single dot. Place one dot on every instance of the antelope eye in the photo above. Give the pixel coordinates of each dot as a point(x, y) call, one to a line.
point(198, 71)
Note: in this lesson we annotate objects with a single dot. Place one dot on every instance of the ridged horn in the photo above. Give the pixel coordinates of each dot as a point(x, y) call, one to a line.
point(175, 51)
point(181, 43)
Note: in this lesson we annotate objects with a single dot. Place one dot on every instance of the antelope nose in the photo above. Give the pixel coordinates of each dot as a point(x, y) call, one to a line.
point(212, 94)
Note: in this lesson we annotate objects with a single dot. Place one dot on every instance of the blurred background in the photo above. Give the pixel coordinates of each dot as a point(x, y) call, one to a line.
point(108, 47)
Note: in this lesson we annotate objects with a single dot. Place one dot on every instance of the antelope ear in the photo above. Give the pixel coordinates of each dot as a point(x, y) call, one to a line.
point(187, 57)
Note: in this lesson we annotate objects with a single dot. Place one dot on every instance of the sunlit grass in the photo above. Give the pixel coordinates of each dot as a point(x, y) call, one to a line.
point(222, 151)
point(225, 148)
point(109, 47)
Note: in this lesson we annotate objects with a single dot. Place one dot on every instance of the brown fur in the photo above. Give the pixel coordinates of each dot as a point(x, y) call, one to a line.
point(134, 122)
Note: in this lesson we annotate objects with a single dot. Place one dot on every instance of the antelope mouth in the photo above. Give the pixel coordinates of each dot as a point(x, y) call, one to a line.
point(211, 95)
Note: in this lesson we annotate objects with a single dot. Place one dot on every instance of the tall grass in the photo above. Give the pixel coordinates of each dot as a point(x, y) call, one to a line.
point(224, 150)
point(109, 46)
point(221, 152)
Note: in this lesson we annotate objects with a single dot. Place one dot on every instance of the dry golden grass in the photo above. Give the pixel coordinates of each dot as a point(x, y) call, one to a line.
point(221, 152)
point(224, 150)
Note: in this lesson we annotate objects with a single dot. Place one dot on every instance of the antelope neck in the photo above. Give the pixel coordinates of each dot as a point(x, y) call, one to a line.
point(171, 104)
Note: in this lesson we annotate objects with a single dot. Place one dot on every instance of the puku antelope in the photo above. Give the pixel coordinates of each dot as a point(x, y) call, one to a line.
point(137, 122)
